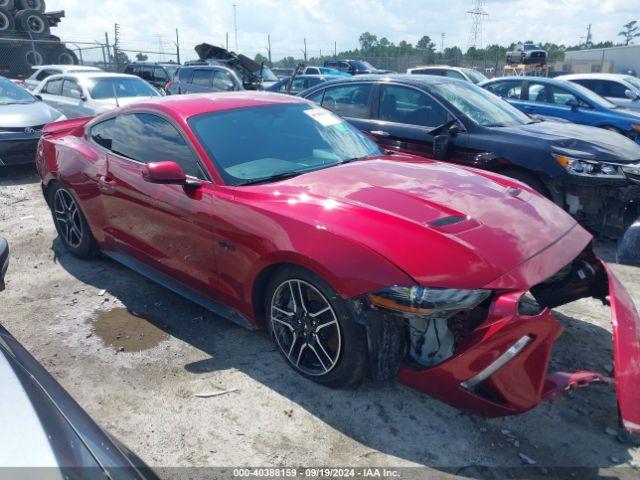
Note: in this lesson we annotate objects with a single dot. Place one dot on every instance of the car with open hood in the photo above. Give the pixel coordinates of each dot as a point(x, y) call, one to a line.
point(590, 172)
point(22, 117)
point(278, 214)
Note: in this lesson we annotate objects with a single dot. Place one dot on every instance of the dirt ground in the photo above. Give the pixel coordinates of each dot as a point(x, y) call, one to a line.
point(136, 357)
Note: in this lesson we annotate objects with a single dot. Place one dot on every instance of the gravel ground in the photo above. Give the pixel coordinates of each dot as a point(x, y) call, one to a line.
point(136, 356)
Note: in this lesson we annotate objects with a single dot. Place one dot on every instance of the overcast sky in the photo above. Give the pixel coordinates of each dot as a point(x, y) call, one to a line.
point(151, 24)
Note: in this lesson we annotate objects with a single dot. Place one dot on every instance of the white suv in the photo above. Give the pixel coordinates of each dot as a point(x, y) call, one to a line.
point(461, 73)
point(42, 72)
point(621, 90)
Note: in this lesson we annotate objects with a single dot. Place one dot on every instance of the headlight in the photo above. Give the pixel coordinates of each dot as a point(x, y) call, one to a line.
point(427, 300)
point(589, 168)
point(635, 127)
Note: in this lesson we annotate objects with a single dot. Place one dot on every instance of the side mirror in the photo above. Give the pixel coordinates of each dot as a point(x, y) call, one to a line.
point(573, 103)
point(440, 146)
point(167, 173)
point(4, 261)
point(454, 130)
point(631, 95)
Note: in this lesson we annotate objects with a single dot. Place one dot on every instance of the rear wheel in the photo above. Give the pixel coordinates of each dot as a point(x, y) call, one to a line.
point(71, 224)
point(33, 22)
point(314, 330)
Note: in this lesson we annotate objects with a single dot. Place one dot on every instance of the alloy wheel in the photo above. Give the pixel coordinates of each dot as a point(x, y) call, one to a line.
point(67, 216)
point(36, 25)
point(305, 327)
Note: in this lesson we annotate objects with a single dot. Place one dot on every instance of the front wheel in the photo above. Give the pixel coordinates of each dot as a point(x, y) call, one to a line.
point(71, 224)
point(314, 330)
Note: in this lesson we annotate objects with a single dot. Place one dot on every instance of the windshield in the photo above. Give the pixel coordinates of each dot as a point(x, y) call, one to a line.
point(474, 75)
point(171, 70)
point(530, 46)
point(635, 83)
point(122, 87)
point(592, 96)
point(10, 93)
point(267, 74)
point(250, 144)
point(480, 106)
point(361, 66)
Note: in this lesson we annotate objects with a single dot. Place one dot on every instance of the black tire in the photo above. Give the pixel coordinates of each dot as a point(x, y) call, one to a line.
point(66, 57)
point(83, 244)
point(528, 179)
point(8, 4)
point(350, 365)
point(32, 22)
point(32, 56)
point(38, 5)
point(7, 24)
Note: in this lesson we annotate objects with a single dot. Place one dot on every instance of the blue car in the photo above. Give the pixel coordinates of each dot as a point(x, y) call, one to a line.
point(566, 100)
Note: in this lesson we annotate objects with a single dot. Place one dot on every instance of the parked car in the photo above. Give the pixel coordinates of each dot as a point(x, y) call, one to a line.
point(353, 67)
point(44, 429)
point(590, 172)
point(22, 118)
point(527, 54)
point(323, 71)
point(621, 90)
point(282, 72)
point(276, 213)
point(88, 94)
point(157, 74)
point(559, 98)
point(467, 74)
point(299, 84)
point(203, 79)
point(42, 72)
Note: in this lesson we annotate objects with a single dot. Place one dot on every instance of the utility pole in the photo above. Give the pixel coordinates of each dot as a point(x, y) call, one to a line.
point(177, 43)
point(116, 44)
point(588, 41)
point(106, 39)
point(335, 50)
point(235, 24)
point(227, 36)
point(442, 35)
point(269, 49)
point(305, 51)
point(478, 15)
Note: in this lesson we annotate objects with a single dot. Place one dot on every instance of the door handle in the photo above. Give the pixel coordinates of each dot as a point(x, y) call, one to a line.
point(380, 133)
point(106, 184)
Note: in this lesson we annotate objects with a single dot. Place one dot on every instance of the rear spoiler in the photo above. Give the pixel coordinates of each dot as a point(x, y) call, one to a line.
point(65, 126)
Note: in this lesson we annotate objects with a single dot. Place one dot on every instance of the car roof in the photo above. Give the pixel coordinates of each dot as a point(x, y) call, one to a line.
point(435, 66)
point(66, 67)
point(187, 106)
point(405, 78)
point(600, 76)
point(551, 81)
point(92, 74)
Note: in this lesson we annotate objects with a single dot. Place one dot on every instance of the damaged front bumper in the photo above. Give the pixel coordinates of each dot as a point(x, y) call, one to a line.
point(500, 367)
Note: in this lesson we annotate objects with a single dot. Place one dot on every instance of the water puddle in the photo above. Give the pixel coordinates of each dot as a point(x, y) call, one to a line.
point(128, 331)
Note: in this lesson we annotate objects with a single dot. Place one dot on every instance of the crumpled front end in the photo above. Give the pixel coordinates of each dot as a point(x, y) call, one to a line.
point(499, 365)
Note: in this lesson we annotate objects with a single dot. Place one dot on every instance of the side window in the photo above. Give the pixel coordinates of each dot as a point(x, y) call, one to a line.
point(162, 142)
point(551, 94)
point(53, 87)
point(612, 89)
point(316, 97)
point(130, 69)
point(45, 73)
point(298, 85)
point(159, 75)
point(202, 78)
point(312, 71)
point(71, 89)
point(102, 133)
point(344, 66)
point(223, 81)
point(590, 84)
point(410, 106)
point(537, 93)
point(454, 74)
point(350, 100)
point(506, 89)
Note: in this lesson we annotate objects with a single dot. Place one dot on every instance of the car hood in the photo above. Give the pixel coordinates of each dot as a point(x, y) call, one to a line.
point(432, 220)
point(27, 115)
point(580, 141)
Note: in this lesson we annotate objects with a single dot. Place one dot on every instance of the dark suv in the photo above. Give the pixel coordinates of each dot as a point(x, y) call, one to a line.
point(354, 67)
point(157, 74)
point(202, 79)
point(591, 172)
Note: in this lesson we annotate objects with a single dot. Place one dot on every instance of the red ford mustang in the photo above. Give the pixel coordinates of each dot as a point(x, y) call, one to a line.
point(275, 213)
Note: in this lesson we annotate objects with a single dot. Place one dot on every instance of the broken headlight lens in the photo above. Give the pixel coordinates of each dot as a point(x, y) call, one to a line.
point(589, 168)
point(427, 300)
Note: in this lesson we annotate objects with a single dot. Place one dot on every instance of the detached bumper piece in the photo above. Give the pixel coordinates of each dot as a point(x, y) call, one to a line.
point(500, 368)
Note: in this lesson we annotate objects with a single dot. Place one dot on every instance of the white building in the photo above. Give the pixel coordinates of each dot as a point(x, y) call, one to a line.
point(606, 60)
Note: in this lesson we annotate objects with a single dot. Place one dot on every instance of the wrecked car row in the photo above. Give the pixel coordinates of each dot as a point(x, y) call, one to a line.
point(278, 214)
